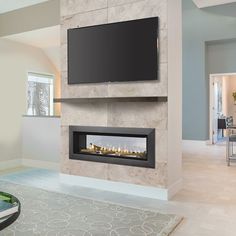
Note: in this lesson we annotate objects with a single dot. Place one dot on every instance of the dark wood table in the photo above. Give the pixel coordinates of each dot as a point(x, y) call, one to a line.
point(8, 220)
point(232, 126)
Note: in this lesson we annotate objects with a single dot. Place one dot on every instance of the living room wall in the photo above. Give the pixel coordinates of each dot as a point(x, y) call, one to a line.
point(221, 57)
point(163, 116)
point(16, 60)
point(201, 26)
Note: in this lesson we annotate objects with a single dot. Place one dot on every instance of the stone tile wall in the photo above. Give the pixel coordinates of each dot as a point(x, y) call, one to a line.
point(81, 13)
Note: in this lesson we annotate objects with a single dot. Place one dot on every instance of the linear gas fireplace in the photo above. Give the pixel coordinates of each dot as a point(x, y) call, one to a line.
point(123, 146)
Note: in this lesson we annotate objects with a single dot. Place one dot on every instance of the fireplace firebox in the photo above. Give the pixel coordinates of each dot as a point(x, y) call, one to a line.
point(122, 146)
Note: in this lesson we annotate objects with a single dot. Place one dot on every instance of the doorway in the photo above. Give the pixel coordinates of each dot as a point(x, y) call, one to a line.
point(222, 107)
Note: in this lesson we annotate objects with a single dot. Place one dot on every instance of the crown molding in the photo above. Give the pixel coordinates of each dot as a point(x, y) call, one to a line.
point(210, 3)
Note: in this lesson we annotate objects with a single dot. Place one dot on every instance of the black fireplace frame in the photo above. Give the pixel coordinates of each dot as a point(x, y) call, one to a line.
point(149, 133)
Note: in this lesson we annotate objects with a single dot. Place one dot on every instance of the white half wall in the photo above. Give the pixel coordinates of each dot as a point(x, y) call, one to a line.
point(41, 141)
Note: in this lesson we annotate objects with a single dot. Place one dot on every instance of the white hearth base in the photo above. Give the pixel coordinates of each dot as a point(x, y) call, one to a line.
point(125, 188)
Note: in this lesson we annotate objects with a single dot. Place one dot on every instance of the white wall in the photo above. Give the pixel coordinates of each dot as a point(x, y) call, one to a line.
point(174, 96)
point(16, 60)
point(41, 141)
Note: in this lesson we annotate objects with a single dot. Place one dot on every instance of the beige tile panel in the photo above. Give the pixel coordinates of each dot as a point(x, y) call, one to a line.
point(87, 114)
point(138, 114)
point(70, 7)
point(63, 55)
point(140, 9)
point(163, 48)
point(161, 145)
point(82, 90)
point(89, 169)
point(65, 165)
point(113, 3)
point(81, 20)
point(136, 175)
point(64, 140)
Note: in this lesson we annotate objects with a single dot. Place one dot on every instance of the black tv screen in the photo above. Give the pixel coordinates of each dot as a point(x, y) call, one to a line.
point(116, 52)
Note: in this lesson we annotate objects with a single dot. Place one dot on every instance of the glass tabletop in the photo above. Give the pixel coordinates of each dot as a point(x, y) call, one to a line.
point(10, 208)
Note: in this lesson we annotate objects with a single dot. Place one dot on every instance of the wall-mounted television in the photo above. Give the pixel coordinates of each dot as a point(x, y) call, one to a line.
point(115, 52)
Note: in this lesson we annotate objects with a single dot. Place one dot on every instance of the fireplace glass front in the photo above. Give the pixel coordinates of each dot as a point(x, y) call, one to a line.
point(125, 146)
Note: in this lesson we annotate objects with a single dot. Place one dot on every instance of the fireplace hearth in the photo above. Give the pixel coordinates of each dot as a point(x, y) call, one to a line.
point(123, 146)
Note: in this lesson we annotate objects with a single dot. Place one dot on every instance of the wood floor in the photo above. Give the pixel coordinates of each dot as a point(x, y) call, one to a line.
point(207, 200)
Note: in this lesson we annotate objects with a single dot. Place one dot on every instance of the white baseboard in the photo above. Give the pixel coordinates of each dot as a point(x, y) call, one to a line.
point(10, 164)
point(175, 188)
point(209, 142)
point(194, 142)
point(118, 187)
point(40, 164)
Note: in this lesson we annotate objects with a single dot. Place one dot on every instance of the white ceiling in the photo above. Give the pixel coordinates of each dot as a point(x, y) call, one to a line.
point(209, 3)
point(48, 39)
point(11, 5)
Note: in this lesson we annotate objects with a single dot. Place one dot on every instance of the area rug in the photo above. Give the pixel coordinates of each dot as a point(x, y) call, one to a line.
point(46, 213)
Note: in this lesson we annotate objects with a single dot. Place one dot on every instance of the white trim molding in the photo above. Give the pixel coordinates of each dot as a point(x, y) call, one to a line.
point(213, 80)
point(174, 188)
point(4, 165)
point(41, 164)
point(210, 3)
point(195, 143)
point(124, 188)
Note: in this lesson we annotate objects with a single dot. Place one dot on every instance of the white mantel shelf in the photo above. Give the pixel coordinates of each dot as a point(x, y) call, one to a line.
point(41, 116)
point(111, 99)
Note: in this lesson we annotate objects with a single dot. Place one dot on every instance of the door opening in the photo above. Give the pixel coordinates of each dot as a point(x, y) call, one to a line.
point(222, 107)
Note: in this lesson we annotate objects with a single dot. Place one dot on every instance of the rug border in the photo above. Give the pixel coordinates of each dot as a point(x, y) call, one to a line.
point(167, 230)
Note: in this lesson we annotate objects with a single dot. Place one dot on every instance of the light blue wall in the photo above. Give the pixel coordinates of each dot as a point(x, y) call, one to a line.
point(221, 57)
point(200, 26)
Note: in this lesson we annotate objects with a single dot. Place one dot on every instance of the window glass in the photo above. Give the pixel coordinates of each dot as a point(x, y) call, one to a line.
point(40, 94)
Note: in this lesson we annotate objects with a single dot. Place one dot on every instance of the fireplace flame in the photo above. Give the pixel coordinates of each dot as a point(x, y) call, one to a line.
point(103, 150)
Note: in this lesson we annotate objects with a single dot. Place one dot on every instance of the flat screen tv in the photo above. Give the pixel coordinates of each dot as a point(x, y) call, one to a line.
point(116, 52)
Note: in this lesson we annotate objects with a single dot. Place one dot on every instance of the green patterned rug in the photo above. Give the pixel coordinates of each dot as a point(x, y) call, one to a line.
point(46, 213)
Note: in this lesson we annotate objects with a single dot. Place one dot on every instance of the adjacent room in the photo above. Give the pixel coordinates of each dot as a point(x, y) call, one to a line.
point(118, 117)
point(221, 106)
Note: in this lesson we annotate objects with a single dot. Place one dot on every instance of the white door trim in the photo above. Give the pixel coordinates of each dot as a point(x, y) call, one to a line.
point(211, 100)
